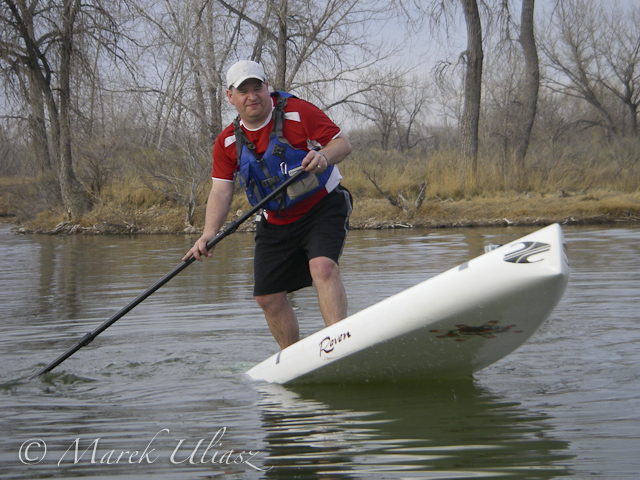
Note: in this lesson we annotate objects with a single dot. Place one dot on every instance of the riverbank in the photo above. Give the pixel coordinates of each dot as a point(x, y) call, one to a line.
point(369, 213)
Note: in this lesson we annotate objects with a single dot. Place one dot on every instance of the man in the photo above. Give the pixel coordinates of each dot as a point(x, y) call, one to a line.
point(299, 243)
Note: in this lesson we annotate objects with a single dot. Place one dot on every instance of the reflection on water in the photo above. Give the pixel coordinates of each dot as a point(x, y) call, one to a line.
point(432, 430)
point(567, 403)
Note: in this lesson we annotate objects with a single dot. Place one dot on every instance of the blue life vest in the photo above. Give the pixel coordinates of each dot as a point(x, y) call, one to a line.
point(260, 175)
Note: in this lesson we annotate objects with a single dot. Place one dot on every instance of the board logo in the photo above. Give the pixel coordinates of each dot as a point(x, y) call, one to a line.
point(328, 344)
point(528, 249)
point(487, 330)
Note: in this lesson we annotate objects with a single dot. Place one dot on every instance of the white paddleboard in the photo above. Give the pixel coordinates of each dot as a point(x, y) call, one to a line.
point(448, 326)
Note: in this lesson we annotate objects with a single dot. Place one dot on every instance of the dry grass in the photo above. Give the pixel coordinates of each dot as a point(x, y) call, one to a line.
point(503, 209)
point(603, 187)
point(598, 189)
point(615, 168)
point(396, 173)
point(131, 190)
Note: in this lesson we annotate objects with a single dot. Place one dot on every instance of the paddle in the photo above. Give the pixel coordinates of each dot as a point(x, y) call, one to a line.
point(227, 230)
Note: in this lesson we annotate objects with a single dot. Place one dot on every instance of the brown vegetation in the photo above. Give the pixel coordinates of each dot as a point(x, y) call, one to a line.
point(107, 120)
point(416, 192)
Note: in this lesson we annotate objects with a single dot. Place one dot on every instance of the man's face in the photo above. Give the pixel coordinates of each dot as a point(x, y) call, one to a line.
point(252, 101)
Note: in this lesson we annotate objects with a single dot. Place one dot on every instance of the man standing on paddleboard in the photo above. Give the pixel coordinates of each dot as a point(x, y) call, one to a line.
point(300, 236)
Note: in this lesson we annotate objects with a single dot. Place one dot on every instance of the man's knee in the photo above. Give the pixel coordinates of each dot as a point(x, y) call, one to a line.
point(323, 269)
point(271, 302)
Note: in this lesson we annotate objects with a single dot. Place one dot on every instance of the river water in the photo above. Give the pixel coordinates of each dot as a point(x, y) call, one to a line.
point(161, 393)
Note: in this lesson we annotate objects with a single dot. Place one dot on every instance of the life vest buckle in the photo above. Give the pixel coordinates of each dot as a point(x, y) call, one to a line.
point(279, 151)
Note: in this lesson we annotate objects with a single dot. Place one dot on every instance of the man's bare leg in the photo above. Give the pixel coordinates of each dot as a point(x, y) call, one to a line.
point(280, 317)
point(331, 294)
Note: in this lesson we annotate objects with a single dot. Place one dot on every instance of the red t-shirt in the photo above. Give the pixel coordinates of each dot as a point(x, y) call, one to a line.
point(305, 127)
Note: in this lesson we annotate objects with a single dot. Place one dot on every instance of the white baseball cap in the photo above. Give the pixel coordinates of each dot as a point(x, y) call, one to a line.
point(243, 70)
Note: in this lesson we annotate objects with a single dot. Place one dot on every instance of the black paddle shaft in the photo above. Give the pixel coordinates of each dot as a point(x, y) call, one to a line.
point(227, 230)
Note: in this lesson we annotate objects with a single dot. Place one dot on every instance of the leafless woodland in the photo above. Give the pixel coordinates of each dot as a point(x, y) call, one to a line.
point(103, 97)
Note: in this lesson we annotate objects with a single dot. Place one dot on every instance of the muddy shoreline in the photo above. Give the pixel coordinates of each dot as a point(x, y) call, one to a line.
point(534, 210)
point(107, 228)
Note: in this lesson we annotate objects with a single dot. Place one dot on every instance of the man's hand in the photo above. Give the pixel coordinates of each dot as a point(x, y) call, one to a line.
point(217, 208)
point(332, 153)
point(199, 250)
point(315, 162)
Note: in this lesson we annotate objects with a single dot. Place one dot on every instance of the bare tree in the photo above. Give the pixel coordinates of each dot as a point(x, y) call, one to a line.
point(73, 196)
point(34, 55)
point(281, 49)
point(473, 56)
point(593, 54)
point(182, 66)
point(309, 45)
point(41, 46)
point(439, 12)
point(190, 48)
point(510, 88)
point(502, 108)
point(381, 104)
point(6, 153)
point(621, 51)
point(393, 102)
point(180, 172)
point(22, 87)
point(530, 88)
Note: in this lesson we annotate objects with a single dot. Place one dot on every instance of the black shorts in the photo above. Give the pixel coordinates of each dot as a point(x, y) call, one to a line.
point(282, 253)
